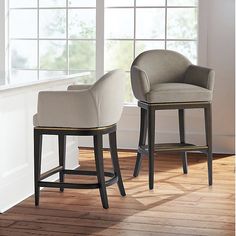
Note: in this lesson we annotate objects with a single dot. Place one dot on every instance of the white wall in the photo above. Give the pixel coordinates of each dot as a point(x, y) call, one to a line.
point(17, 107)
point(216, 51)
point(221, 57)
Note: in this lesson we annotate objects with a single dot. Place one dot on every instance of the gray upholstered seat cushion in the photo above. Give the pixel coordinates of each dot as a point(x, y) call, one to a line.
point(177, 92)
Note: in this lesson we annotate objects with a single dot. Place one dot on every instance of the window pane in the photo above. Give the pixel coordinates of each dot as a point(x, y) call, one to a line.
point(53, 54)
point(189, 49)
point(119, 23)
point(3, 78)
point(82, 55)
point(24, 54)
point(118, 54)
point(82, 23)
point(23, 23)
point(23, 76)
point(82, 3)
point(50, 74)
point(52, 3)
point(182, 23)
point(182, 2)
point(150, 24)
point(23, 3)
point(142, 46)
point(119, 3)
point(150, 2)
point(52, 23)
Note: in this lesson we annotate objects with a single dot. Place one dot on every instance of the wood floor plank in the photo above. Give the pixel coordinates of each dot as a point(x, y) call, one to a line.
point(108, 228)
point(100, 220)
point(179, 204)
point(80, 213)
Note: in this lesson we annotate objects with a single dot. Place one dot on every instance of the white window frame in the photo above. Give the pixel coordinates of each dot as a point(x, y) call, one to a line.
point(203, 12)
point(4, 41)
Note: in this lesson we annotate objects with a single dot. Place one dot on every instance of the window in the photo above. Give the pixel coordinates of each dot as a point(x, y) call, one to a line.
point(133, 26)
point(50, 38)
point(63, 36)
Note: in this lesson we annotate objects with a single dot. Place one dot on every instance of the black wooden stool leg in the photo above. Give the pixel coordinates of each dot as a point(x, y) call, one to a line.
point(142, 140)
point(208, 127)
point(98, 151)
point(151, 144)
point(182, 140)
point(62, 154)
point(115, 162)
point(37, 164)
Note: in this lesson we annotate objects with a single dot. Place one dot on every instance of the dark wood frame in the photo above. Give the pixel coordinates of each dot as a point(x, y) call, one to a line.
point(97, 134)
point(147, 125)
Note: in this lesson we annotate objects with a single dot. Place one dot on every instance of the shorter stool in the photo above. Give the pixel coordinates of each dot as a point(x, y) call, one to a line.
point(81, 111)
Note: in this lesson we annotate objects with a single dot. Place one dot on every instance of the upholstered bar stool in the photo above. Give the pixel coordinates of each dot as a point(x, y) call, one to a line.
point(87, 110)
point(162, 80)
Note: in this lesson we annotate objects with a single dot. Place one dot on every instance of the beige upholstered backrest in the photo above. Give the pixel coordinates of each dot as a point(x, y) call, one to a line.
point(96, 105)
point(108, 94)
point(161, 66)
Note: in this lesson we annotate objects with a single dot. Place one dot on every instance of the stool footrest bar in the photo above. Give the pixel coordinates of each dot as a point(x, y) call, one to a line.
point(86, 172)
point(112, 180)
point(173, 147)
point(51, 172)
point(68, 185)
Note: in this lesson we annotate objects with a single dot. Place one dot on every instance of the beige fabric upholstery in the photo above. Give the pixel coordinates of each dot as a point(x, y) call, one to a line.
point(91, 106)
point(79, 86)
point(200, 76)
point(177, 92)
point(161, 76)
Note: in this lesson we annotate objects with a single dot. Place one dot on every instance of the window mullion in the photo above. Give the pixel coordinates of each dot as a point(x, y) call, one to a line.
point(2, 39)
point(7, 42)
point(100, 37)
point(166, 24)
point(67, 33)
point(203, 7)
point(38, 56)
point(134, 28)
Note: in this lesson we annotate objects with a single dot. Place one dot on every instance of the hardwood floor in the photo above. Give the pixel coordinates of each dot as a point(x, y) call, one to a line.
point(179, 204)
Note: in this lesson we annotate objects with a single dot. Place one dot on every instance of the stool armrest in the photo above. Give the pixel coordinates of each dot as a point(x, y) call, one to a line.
point(200, 76)
point(79, 87)
point(66, 109)
point(140, 83)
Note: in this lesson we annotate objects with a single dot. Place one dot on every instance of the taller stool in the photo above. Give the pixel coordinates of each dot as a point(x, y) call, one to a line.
point(83, 110)
point(163, 80)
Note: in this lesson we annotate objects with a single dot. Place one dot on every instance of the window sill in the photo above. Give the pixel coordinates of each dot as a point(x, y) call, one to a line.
point(52, 80)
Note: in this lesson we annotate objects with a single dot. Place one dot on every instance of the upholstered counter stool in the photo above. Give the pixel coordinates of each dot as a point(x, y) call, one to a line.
point(162, 80)
point(82, 110)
